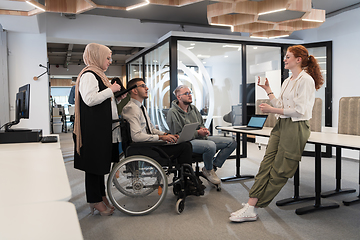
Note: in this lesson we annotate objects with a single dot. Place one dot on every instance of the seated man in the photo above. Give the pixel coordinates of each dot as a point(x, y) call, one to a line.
point(183, 112)
point(141, 128)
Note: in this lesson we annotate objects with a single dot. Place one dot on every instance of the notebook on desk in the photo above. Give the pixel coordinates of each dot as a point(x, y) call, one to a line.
point(187, 133)
point(256, 122)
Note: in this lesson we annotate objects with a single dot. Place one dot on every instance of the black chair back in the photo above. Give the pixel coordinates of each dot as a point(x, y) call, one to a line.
point(125, 134)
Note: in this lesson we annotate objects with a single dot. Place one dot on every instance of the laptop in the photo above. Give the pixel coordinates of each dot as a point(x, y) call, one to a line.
point(187, 133)
point(256, 122)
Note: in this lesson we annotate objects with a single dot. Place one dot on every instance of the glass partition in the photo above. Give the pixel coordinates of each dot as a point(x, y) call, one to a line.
point(135, 69)
point(261, 61)
point(213, 72)
point(157, 77)
point(216, 70)
point(320, 54)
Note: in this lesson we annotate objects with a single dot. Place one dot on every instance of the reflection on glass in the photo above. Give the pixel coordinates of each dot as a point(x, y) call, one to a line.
point(213, 73)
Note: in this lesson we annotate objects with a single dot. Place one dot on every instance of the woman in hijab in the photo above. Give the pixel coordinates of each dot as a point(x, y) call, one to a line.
point(96, 145)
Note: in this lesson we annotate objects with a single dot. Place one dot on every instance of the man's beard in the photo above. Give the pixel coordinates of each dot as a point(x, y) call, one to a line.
point(187, 102)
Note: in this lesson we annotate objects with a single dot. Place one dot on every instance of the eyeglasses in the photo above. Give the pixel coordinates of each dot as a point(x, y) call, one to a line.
point(142, 85)
point(186, 94)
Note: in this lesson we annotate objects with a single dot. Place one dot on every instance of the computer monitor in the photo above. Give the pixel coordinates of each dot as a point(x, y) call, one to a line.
point(24, 97)
point(21, 107)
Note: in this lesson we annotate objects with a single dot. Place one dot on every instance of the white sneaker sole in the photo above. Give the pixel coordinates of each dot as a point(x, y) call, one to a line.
point(243, 219)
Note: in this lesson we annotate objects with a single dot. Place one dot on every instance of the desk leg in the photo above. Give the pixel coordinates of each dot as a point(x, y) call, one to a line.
point(338, 189)
point(296, 198)
point(237, 175)
point(355, 199)
point(318, 206)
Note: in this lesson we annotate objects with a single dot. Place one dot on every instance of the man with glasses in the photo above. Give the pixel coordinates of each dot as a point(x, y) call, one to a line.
point(183, 112)
point(141, 128)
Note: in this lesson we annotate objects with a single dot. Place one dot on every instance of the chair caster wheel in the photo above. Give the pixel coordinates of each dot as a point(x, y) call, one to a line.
point(180, 205)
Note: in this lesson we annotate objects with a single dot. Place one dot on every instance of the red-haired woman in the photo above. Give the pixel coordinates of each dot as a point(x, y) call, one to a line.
point(290, 134)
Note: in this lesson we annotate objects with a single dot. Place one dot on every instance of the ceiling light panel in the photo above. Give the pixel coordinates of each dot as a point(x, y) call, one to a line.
point(281, 16)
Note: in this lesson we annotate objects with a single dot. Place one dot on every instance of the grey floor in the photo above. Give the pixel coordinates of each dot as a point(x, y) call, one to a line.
point(206, 217)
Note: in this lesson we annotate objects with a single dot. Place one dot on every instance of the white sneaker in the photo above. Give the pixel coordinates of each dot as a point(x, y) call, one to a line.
point(238, 211)
point(246, 214)
point(211, 176)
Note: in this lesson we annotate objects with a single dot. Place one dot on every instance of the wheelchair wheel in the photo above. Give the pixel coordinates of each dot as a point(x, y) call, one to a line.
point(141, 186)
point(180, 205)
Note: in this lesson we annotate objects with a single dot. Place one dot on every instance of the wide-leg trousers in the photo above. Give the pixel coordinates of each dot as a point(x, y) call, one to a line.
point(285, 147)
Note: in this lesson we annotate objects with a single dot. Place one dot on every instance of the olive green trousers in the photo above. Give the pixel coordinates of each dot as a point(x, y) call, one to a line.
point(283, 153)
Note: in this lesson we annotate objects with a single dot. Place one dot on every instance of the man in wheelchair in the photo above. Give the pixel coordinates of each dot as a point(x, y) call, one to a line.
point(142, 130)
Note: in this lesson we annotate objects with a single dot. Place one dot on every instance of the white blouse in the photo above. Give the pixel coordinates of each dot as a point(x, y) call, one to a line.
point(297, 97)
point(89, 90)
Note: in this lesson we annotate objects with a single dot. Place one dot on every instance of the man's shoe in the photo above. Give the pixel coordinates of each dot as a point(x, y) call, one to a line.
point(211, 176)
point(246, 214)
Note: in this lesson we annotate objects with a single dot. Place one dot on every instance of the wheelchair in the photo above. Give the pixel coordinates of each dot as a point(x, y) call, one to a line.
point(138, 183)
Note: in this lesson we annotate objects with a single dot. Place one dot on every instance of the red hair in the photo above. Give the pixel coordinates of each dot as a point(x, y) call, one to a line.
point(308, 63)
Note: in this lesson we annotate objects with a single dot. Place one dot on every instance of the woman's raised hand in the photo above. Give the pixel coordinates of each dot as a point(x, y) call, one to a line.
point(266, 86)
point(115, 87)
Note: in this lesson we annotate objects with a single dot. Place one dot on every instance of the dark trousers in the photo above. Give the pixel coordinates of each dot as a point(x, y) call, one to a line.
point(95, 184)
point(181, 151)
point(94, 187)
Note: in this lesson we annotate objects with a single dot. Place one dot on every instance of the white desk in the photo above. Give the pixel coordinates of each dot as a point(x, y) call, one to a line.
point(30, 176)
point(40, 221)
point(34, 187)
point(30, 145)
point(317, 138)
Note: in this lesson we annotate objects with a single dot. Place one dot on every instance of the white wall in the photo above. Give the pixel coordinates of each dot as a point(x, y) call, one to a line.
point(26, 52)
point(344, 31)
